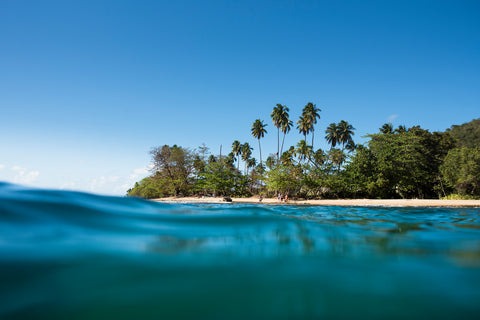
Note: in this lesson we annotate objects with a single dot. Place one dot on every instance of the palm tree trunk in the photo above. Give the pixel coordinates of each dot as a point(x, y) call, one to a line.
point(260, 150)
point(313, 135)
point(278, 144)
point(283, 140)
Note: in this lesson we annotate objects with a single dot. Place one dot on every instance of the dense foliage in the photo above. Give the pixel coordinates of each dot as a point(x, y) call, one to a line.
point(467, 134)
point(395, 163)
point(461, 170)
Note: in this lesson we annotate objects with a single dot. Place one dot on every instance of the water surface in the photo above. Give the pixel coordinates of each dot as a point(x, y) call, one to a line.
point(80, 256)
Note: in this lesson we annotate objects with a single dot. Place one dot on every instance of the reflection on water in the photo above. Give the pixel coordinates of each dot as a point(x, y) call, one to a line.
point(293, 234)
point(73, 255)
point(172, 244)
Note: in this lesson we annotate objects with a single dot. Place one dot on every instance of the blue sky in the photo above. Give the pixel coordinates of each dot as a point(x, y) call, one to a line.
point(87, 88)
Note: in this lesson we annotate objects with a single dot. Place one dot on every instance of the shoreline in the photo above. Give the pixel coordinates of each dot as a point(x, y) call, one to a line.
point(330, 202)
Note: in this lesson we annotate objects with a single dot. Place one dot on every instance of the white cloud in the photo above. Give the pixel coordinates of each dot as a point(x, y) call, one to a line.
point(392, 118)
point(70, 185)
point(117, 184)
point(140, 173)
point(137, 174)
point(22, 175)
point(113, 183)
point(102, 183)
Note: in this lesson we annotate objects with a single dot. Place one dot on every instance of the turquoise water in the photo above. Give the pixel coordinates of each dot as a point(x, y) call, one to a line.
point(66, 255)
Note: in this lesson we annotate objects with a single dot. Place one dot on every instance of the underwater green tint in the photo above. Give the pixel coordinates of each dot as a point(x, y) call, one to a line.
point(67, 255)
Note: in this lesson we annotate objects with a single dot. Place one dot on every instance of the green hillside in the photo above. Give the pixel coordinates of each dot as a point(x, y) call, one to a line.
point(467, 134)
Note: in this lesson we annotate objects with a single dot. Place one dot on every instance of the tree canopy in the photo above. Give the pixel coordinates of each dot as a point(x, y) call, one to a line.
point(467, 134)
point(395, 163)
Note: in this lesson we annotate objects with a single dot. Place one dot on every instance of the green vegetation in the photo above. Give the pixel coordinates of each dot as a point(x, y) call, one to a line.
point(395, 163)
point(461, 171)
point(467, 134)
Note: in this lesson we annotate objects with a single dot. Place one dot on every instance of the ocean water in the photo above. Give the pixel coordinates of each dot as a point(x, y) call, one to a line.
point(67, 255)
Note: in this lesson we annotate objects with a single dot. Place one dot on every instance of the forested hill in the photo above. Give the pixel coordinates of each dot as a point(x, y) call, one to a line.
point(467, 134)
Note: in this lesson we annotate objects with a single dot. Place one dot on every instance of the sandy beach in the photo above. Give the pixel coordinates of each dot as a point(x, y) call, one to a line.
point(339, 202)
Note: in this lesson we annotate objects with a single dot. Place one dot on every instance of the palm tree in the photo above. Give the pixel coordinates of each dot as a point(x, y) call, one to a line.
point(287, 157)
point(230, 160)
point(345, 133)
point(237, 150)
point(351, 146)
point(311, 113)
point(277, 121)
point(387, 128)
point(303, 150)
point(401, 129)
point(319, 157)
point(286, 126)
point(281, 121)
point(258, 132)
point(337, 157)
point(303, 126)
point(270, 162)
point(246, 153)
point(332, 135)
point(251, 163)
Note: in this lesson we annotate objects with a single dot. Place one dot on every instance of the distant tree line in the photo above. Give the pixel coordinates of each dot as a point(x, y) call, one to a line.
point(395, 163)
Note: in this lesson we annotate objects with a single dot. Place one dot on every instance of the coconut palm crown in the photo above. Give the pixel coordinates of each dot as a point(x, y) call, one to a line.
point(303, 126)
point(332, 135)
point(281, 121)
point(304, 151)
point(345, 133)
point(237, 150)
point(311, 113)
point(387, 128)
point(258, 132)
point(246, 152)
